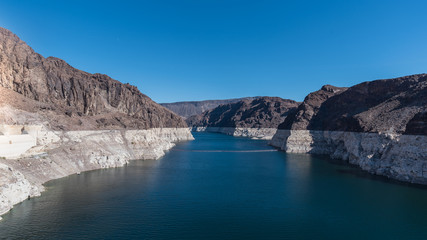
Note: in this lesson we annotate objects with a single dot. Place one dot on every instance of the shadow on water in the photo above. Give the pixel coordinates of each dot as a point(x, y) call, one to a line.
point(356, 171)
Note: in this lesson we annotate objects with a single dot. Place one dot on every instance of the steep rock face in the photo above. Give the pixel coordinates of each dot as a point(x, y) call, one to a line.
point(381, 126)
point(187, 109)
point(302, 117)
point(393, 105)
point(100, 101)
point(417, 125)
point(263, 112)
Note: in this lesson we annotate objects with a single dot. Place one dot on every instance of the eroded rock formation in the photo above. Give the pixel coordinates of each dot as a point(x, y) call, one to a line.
point(84, 121)
point(380, 126)
point(187, 109)
point(392, 105)
point(263, 112)
point(56, 92)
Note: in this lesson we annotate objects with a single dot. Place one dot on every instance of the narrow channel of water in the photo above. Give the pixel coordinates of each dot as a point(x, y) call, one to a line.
point(220, 187)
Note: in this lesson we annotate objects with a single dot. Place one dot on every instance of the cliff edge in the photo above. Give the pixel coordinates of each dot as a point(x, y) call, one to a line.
point(396, 105)
point(66, 98)
point(379, 126)
point(56, 120)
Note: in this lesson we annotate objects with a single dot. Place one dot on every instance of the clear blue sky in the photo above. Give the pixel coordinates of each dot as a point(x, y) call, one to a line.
point(194, 50)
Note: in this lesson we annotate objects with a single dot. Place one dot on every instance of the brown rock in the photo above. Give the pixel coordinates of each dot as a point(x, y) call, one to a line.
point(392, 105)
point(187, 109)
point(60, 91)
point(262, 112)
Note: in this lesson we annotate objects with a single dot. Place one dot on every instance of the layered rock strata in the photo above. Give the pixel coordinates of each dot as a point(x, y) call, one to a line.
point(379, 126)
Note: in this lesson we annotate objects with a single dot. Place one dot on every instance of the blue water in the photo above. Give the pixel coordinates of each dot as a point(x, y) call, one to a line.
point(200, 191)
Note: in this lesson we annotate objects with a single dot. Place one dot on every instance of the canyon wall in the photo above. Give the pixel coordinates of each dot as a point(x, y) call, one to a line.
point(66, 98)
point(257, 118)
point(191, 108)
point(379, 126)
point(85, 121)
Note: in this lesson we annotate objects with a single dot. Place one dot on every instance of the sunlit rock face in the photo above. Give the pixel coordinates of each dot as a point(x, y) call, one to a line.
point(380, 126)
point(56, 120)
point(50, 90)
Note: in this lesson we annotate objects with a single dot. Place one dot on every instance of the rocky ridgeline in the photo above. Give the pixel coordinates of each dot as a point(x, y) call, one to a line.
point(396, 105)
point(258, 118)
point(187, 109)
point(61, 90)
point(380, 126)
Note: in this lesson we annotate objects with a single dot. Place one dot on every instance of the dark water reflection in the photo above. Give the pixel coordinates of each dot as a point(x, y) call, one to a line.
point(223, 195)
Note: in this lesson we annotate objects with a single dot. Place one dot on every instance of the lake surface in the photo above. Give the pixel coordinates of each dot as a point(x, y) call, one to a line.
point(211, 188)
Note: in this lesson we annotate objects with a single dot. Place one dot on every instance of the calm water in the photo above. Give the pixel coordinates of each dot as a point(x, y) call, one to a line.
point(223, 195)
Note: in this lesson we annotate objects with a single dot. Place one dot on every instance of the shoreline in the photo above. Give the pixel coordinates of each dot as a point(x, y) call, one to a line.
point(254, 133)
point(399, 157)
point(62, 153)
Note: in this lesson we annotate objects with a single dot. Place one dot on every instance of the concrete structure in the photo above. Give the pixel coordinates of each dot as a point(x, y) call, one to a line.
point(17, 139)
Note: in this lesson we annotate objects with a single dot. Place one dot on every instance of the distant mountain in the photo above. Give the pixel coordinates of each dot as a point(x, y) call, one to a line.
point(34, 89)
point(396, 105)
point(187, 109)
point(262, 112)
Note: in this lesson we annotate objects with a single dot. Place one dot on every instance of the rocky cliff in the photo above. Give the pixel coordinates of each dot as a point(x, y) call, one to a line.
point(396, 105)
point(56, 120)
point(263, 112)
point(187, 109)
point(379, 126)
point(54, 91)
point(258, 118)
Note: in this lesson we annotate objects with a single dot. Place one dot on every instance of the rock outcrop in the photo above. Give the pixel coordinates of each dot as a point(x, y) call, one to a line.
point(393, 105)
point(301, 118)
point(83, 122)
point(263, 112)
point(258, 118)
point(57, 92)
point(187, 109)
point(379, 126)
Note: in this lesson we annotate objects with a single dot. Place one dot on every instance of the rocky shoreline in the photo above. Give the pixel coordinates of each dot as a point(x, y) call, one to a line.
point(400, 157)
point(254, 133)
point(62, 153)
